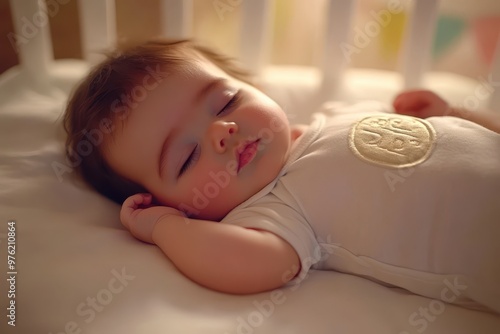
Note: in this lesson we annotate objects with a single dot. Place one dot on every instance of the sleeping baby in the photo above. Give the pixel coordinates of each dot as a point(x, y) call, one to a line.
point(208, 168)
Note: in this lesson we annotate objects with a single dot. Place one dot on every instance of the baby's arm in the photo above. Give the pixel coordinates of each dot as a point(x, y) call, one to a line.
point(222, 257)
point(424, 103)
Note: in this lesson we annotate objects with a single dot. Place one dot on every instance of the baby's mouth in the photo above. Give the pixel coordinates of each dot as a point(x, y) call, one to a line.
point(246, 153)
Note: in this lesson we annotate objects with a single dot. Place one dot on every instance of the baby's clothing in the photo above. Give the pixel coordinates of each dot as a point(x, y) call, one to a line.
point(406, 202)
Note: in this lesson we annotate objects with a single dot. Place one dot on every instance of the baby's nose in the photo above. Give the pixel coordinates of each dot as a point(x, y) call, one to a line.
point(221, 133)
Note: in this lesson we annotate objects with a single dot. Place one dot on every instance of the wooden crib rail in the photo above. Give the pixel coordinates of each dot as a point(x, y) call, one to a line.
point(338, 22)
point(98, 28)
point(256, 33)
point(36, 55)
point(177, 19)
point(420, 32)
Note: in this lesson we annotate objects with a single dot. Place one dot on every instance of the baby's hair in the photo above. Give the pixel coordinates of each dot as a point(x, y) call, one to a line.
point(103, 98)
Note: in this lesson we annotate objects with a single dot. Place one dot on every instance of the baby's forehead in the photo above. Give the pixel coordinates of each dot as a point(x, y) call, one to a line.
point(200, 67)
point(167, 82)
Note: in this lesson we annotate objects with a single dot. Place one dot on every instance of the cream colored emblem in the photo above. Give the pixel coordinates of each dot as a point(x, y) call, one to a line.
point(392, 140)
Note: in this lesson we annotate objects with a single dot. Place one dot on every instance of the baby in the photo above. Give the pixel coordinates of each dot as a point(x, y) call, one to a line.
point(208, 168)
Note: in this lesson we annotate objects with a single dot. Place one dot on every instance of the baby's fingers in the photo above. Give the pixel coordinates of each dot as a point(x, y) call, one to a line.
point(131, 205)
point(420, 103)
point(410, 102)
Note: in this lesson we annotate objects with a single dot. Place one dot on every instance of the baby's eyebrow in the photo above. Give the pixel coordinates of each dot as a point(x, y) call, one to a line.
point(212, 84)
point(199, 96)
point(164, 154)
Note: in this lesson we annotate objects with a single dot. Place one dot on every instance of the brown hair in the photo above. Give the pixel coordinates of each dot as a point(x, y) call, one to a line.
point(103, 98)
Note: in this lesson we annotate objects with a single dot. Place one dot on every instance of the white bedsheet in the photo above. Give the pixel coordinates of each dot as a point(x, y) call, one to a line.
point(79, 271)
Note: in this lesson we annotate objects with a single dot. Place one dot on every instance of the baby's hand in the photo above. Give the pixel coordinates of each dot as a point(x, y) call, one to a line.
point(140, 218)
point(420, 103)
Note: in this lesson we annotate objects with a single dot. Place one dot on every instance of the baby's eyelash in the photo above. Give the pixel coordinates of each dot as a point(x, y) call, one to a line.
point(193, 157)
point(231, 104)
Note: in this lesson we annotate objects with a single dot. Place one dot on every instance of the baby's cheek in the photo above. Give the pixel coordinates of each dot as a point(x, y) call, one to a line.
point(204, 194)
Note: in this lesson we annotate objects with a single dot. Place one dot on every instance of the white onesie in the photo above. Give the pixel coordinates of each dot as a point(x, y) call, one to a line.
point(403, 201)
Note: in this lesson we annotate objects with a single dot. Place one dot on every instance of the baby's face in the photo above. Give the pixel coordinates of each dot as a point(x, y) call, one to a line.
point(202, 142)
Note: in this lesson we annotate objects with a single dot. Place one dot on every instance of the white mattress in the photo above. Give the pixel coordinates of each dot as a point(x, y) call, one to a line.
point(78, 269)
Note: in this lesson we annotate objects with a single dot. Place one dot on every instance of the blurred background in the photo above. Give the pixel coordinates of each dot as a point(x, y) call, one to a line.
point(466, 32)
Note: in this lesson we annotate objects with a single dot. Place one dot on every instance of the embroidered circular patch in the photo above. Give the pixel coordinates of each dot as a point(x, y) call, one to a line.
point(392, 140)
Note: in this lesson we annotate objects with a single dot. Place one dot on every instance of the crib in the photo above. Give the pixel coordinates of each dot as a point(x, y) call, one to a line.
point(72, 268)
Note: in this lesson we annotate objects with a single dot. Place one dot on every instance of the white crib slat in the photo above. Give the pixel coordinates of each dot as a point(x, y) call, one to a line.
point(177, 18)
point(98, 27)
point(256, 33)
point(33, 38)
point(419, 37)
point(494, 79)
point(338, 26)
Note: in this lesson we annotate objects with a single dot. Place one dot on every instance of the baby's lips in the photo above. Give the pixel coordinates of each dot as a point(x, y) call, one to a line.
point(248, 153)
